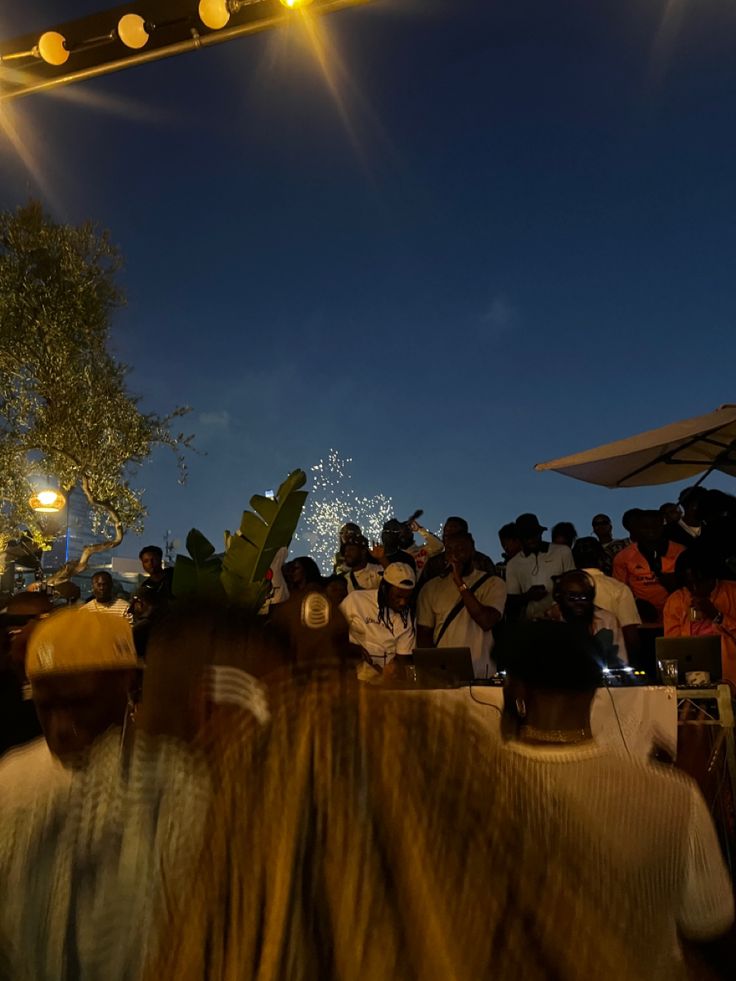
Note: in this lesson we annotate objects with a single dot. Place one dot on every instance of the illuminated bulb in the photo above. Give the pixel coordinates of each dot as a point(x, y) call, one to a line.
point(47, 501)
point(52, 48)
point(293, 4)
point(214, 13)
point(132, 31)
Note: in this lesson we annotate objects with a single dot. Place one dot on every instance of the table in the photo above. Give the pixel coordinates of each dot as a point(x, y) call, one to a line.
point(630, 719)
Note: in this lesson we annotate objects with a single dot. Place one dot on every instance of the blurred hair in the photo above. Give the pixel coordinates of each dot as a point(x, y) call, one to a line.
point(458, 521)
point(700, 562)
point(508, 531)
point(567, 530)
point(550, 656)
point(588, 553)
point(152, 550)
point(695, 494)
point(311, 569)
point(630, 518)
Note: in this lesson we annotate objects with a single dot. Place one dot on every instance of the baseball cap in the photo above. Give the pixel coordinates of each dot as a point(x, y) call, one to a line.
point(72, 641)
point(528, 523)
point(400, 574)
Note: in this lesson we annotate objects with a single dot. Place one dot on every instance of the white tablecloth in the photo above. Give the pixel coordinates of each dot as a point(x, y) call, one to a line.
point(632, 719)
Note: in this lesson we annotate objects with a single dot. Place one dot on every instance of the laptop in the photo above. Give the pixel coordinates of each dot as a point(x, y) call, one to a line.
point(443, 667)
point(693, 654)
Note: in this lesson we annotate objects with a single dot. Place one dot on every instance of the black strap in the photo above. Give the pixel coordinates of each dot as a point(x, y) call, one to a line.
point(354, 581)
point(459, 606)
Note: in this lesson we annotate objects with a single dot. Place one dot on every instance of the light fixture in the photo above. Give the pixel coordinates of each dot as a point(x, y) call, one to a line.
point(52, 48)
point(133, 31)
point(48, 501)
point(293, 4)
point(216, 13)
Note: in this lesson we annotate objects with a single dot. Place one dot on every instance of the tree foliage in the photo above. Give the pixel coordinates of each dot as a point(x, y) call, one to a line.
point(65, 408)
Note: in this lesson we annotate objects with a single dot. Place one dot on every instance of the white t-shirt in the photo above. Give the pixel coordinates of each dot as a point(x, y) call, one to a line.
point(367, 578)
point(118, 606)
point(525, 571)
point(440, 596)
point(614, 596)
point(360, 609)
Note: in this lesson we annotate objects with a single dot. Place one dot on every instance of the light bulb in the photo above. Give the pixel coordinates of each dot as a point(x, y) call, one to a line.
point(214, 13)
point(293, 4)
point(52, 48)
point(132, 31)
point(48, 501)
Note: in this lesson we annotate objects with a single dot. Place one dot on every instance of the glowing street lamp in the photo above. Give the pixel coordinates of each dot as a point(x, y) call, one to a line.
point(48, 501)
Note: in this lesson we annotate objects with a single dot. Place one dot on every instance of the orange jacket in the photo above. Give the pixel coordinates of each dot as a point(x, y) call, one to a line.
point(677, 621)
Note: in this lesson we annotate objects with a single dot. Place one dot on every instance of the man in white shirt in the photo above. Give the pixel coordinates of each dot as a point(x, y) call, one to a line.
point(362, 572)
point(102, 599)
point(610, 593)
point(530, 573)
point(462, 608)
point(380, 620)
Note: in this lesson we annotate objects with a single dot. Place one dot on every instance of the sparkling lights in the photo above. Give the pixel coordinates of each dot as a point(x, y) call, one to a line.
point(332, 501)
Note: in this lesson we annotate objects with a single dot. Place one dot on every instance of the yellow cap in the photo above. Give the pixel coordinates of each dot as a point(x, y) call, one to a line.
point(75, 640)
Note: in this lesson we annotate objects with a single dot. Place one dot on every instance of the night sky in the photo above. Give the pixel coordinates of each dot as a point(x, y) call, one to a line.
point(514, 239)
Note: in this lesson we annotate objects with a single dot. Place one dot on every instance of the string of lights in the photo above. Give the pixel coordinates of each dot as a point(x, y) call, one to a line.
point(331, 503)
point(138, 32)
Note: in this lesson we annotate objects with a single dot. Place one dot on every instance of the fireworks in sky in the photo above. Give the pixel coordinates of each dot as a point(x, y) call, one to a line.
point(333, 501)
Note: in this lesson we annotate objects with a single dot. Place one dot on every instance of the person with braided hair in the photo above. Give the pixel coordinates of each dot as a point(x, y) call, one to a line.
point(380, 620)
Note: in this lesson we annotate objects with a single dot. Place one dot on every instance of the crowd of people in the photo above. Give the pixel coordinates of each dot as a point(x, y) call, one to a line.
point(672, 574)
point(239, 795)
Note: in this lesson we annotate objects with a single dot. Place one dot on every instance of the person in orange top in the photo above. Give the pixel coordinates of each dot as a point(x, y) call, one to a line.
point(647, 566)
point(703, 606)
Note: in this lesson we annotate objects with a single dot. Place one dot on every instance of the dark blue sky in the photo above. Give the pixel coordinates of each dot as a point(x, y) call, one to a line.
point(523, 245)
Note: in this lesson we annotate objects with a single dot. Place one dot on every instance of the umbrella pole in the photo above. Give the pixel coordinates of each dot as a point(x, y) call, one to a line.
point(716, 463)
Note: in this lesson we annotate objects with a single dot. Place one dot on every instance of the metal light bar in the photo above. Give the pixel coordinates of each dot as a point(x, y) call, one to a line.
point(134, 34)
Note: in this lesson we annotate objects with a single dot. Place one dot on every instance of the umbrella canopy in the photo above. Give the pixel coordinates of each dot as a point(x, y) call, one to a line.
point(661, 456)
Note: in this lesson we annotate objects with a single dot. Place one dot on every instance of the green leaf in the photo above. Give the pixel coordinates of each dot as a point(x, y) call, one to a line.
point(252, 550)
point(199, 547)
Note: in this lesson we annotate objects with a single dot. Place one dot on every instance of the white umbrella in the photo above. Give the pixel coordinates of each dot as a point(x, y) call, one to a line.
point(679, 451)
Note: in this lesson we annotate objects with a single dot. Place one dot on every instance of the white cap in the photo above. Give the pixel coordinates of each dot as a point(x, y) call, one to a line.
point(400, 574)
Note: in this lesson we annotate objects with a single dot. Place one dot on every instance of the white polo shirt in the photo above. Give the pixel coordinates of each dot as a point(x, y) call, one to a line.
point(614, 596)
point(360, 609)
point(525, 571)
point(439, 597)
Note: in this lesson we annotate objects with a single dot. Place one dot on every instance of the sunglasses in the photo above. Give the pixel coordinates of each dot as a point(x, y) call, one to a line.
point(578, 597)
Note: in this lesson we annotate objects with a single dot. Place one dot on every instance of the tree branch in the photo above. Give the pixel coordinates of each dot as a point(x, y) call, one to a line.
point(76, 566)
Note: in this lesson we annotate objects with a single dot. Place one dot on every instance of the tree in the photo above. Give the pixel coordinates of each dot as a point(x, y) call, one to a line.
point(65, 409)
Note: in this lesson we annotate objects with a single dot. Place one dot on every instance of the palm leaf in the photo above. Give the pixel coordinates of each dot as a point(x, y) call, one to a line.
point(200, 574)
point(269, 527)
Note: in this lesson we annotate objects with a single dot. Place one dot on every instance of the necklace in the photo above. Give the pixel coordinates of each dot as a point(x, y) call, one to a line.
point(532, 734)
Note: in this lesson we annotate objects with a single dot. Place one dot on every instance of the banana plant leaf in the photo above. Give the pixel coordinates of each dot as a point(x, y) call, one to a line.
point(263, 531)
point(199, 574)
